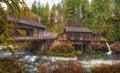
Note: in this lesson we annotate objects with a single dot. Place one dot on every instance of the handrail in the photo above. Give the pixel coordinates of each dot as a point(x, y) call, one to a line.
point(34, 37)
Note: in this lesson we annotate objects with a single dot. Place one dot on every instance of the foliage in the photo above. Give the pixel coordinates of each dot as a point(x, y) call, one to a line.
point(78, 53)
point(13, 7)
point(62, 50)
point(73, 54)
point(104, 68)
point(72, 11)
point(34, 7)
point(61, 67)
point(115, 21)
point(11, 65)
point(85, 7)
point(101, 16)
point(45, 18)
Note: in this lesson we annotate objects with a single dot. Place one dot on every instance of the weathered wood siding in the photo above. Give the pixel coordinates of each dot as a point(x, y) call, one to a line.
point(82, 37)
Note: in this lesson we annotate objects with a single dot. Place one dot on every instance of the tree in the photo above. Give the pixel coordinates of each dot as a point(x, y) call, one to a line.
point(72, 11)
point(115, 20)
point(45, 18)
point(40, 9)
point(34, 7)
point(84, 8)
point(60, 11)
point(13, 7)
point(100, 13)
point(53, 15)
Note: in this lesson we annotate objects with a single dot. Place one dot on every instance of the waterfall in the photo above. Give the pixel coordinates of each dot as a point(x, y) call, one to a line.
point(109, 49)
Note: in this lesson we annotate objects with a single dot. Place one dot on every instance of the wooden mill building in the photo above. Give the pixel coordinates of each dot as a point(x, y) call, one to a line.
point(80, 37)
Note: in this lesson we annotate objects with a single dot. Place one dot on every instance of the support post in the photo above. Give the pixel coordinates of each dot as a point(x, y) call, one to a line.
point(82, 46)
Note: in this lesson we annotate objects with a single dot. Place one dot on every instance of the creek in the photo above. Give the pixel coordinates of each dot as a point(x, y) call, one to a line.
point(32, 61)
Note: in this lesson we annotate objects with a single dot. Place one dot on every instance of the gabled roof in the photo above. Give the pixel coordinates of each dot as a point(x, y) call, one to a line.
point(26, 21)
point(76, 29)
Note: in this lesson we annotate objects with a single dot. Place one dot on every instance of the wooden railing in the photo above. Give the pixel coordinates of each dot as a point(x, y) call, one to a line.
point(33, 38)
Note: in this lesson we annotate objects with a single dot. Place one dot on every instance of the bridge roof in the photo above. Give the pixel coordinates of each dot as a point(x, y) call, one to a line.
point(76, 29)
point(26, 21)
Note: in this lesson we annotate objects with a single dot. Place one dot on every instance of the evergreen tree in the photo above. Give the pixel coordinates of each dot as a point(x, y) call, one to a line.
point(115, 20)
point(40, 9)
point(100, 13)
point(84, 8)
point(72, 11)
point(53, 15)
point(46, 12)
point(34, 7)
point(60, 13)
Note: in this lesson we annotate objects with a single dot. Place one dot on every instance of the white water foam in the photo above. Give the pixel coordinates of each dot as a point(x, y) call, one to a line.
point(97, 62)
point(30, 58)
point(109, 49)
point(55, 58)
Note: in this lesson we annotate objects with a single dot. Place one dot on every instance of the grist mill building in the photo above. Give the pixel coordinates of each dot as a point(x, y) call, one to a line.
point(80, 37)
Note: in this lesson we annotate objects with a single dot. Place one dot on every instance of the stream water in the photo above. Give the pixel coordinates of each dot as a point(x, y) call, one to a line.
point(32, 61)
point(109, 49)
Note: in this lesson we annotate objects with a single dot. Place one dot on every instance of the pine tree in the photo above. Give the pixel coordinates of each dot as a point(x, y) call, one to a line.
point(72, 11)
point(40, 9)
point(100, 13)
point(34, 7)
point(85, 6)
point(116, 20)
point(46, 12)
point(53, 15)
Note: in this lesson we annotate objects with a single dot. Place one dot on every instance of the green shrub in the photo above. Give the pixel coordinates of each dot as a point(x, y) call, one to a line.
point(62, 54)
point(66, 50)
point(78, 53)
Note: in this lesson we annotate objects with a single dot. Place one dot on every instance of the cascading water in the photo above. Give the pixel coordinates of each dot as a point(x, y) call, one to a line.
point(30, 63)
point(109, 49)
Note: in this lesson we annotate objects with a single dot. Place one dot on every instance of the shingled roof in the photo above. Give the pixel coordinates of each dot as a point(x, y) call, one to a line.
point(76, 29)
point(26, 21)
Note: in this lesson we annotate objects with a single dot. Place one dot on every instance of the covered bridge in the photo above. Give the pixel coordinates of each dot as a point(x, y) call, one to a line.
point(25, 27)
point(27, 30)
